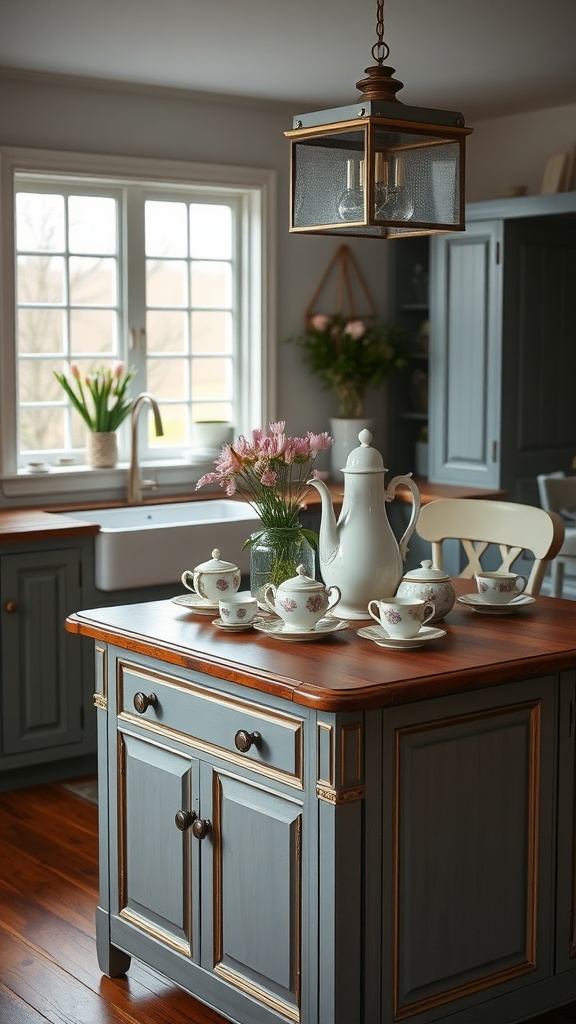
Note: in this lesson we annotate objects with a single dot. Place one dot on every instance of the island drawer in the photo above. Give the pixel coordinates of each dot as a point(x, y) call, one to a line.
point(241, 731)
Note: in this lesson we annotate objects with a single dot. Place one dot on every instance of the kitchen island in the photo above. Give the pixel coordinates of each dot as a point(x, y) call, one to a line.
point(337, 833)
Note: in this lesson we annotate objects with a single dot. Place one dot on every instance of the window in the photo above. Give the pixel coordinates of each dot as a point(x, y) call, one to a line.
point(162, 274)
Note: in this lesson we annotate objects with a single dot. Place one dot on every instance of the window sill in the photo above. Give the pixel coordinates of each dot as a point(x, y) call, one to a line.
point(80, 483)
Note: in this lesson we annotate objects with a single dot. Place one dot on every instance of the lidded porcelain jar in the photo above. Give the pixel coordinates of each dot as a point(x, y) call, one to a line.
point(213, 579)
point(300, 601)
point(429, 584)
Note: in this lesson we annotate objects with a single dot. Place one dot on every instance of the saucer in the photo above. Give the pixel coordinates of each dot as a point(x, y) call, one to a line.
point(236, 627)
point(379, 635)
point(324, 627)
point(195, 604)
point(477, 604)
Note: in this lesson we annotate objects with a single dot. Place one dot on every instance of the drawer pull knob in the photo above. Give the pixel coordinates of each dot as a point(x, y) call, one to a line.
point(142, 702)
point(200, 828)
point(184, 819)
point(11, 607)
point(244, 740)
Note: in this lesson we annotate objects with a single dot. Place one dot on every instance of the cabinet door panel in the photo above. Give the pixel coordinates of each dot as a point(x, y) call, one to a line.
point(41, 664)
point(470, 829)
point(158, 862)
point(256, 862)
point(465, 366)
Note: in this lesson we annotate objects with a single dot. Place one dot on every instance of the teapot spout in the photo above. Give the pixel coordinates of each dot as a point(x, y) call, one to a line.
point(328, 541)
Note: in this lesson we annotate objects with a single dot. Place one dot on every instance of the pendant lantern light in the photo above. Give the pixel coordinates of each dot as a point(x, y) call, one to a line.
point(378, 167)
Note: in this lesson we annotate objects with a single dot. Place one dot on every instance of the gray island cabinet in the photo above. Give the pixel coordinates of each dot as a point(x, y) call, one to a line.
point(336, 833)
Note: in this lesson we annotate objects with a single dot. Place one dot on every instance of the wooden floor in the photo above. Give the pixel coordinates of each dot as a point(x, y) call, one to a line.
point(48, 893)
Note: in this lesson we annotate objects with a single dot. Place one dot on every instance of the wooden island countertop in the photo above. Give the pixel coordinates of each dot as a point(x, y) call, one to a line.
point(344, 671)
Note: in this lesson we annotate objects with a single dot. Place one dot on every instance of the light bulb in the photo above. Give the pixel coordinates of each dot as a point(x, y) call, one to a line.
point(399, 205)
point(351, 202)
point(381, 191)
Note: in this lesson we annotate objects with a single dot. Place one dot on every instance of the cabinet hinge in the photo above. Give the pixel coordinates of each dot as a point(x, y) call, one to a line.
point(494, 451)
point(298, 838)
point(81, 716)
point(497, 253)
point(571, 720)
point(79, 574)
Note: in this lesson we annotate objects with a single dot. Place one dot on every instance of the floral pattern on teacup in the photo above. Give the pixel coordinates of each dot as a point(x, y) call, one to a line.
point(502, 586)
point(288, 604)
point(315, 603)
point(392, 616)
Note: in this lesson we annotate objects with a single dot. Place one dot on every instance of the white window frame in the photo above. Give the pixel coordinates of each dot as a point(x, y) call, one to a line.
point(258, 350)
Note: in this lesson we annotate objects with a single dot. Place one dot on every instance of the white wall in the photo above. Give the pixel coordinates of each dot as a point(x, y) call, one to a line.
point(514, 150)
point(83, 116)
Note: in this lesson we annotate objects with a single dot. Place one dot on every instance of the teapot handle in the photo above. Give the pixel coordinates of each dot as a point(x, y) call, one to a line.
point(267, 589)
point(408, 482)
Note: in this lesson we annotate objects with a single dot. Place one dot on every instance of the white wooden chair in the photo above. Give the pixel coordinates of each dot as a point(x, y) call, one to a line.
point(558, 494)
point(477, 523)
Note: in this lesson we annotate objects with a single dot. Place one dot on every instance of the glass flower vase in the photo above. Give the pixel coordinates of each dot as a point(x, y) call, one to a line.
point(275, 555)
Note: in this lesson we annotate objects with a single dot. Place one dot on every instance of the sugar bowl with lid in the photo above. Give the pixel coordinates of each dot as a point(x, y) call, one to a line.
point(429, 584)
point(213, 579)
point(300, 601)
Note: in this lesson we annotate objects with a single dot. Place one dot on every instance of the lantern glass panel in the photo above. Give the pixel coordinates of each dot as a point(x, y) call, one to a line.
point(321, 169)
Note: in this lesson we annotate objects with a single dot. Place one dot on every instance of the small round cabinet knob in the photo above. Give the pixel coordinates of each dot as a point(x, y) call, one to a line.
point(200, 828)
point(142, 702)
point(183, 819)
point(244, 740)
point(11, 607)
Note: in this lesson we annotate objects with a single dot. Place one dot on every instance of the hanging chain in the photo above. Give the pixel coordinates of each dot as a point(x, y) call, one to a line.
point(380, 50)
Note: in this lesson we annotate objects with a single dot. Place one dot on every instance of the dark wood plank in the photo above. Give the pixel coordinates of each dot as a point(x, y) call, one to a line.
point(14, 1010)
point(52, 805)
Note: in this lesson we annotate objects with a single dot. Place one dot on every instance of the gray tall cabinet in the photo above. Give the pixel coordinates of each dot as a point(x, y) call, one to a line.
point(503, 352)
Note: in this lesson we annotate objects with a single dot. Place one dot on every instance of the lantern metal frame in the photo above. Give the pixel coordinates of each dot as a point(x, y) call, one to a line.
point(377, 129)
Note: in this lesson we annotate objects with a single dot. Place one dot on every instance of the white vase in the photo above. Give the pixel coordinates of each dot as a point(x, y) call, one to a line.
point(345, 433)
point(102, 449)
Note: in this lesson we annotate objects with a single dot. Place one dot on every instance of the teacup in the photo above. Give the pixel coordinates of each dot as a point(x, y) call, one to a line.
point(238, 609)
point(500, 587)
point(401, 617)
point(213, 579)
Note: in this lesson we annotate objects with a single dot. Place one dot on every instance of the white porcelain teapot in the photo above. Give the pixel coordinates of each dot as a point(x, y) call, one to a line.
point(300, 601)
point(360, 553)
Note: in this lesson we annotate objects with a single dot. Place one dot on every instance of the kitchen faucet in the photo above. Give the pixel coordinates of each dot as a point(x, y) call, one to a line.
point(134, 482)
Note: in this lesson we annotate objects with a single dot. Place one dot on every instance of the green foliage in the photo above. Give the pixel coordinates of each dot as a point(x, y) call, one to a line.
point(100, 397)
point(350, 355)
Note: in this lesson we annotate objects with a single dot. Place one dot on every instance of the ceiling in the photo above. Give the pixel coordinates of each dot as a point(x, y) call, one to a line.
point(486, 58)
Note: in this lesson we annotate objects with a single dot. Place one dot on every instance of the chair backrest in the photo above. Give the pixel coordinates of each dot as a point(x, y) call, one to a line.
point(558, 493)
point(477, 523)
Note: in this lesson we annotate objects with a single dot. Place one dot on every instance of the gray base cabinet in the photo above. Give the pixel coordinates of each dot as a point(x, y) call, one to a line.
point(286, 864)
point(207, 810)
point(45, 709)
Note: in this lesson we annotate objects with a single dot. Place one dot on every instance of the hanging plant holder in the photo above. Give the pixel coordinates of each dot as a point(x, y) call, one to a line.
point(341, 289)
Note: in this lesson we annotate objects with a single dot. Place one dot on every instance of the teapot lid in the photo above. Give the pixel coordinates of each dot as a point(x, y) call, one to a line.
point(215, 564)
point(301, 581)
point(364, 459)
point(426, 574)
